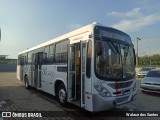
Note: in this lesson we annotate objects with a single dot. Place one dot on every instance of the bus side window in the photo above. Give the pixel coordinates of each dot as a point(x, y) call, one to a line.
point(41, 57)
point(46, 55)
point(58, 52)
point(98, 49)
point(61, 51)
point(51, 54)
point(20, 60)
point(30, 57)
point(99, 57)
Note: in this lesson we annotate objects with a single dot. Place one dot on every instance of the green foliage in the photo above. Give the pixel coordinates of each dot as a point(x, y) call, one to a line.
point(153, 60)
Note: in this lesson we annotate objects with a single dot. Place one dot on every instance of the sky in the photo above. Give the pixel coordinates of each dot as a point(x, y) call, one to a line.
point(26, 23)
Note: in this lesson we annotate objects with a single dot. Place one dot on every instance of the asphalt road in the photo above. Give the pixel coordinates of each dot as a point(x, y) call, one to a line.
point(14, 97)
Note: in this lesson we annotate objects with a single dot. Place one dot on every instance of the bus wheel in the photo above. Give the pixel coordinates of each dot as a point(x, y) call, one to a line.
point(26, 82)
point(62, 95)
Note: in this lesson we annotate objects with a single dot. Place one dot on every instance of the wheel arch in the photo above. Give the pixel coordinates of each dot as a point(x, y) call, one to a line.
point(24, 77)
point(57, 83)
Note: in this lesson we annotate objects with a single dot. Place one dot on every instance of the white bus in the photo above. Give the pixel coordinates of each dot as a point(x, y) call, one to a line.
point(92, 67)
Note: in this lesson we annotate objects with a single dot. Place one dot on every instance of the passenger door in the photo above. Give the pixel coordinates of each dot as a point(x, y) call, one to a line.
point(76, 73)
point(71, 91)
point(39, 60)
point(83, 49)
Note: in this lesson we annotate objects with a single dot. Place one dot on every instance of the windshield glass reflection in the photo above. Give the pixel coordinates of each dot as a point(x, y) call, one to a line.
point(114, 60)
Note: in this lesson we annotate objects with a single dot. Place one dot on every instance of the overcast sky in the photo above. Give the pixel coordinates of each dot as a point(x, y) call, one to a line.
point(26, 23)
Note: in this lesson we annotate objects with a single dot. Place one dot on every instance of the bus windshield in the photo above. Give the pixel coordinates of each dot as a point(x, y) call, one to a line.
point(114, 59)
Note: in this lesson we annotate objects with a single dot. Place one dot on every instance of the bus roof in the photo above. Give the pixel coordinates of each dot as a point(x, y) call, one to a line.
point(87, 28)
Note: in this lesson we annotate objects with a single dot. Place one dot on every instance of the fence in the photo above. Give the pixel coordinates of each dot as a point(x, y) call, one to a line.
point(8, 67)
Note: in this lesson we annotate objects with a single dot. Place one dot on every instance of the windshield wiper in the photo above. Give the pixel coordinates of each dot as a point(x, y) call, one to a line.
point(111, 45)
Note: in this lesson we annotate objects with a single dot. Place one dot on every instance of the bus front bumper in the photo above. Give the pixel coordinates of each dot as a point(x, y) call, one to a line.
point(105, 103)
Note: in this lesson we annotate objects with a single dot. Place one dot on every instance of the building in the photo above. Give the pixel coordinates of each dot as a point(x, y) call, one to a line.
point(5, 60)
point(7, 65)
point(2, 57)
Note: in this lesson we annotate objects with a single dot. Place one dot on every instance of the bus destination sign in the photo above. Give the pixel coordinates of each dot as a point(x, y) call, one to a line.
point(115, 35)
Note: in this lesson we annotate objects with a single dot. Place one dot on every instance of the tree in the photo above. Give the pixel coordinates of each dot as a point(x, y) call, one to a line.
point(153, 60)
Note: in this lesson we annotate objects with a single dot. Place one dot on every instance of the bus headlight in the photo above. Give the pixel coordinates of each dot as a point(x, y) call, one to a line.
point(102, 91)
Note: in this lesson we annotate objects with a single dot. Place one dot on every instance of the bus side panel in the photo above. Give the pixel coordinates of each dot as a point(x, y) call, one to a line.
point(61, 74)
point(88, 94)
point(49, 75)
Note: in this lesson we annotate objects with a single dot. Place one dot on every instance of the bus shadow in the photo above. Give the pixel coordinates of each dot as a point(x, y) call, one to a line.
point(9, 102)
point(72, 110)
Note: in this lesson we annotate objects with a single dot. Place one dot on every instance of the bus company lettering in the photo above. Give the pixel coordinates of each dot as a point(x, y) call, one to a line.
point(47, 72)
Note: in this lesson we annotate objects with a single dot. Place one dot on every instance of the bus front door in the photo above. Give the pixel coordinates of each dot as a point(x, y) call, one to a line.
point(76, 73)
point(35, 72)
point(38, 67)
point(71, 93)
point(32, 70)
point(83, 71)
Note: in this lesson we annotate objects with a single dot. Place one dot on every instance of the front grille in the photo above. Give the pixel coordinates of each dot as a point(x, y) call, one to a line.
point(122, 99)
point(120, 85)
point(122, 92)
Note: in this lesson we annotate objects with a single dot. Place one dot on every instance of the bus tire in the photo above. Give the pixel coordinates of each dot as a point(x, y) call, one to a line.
point(26, 82)
point(62, 95)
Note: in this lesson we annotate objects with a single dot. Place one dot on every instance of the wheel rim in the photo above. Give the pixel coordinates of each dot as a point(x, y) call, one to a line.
point(62, 95)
